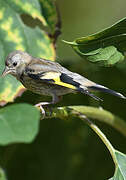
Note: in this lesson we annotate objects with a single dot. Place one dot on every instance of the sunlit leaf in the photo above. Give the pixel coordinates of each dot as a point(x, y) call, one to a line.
point(15, 35)
point(31, 7)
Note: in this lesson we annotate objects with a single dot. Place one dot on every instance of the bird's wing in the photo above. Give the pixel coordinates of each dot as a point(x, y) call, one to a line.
point(53, 73)
point(53, 77)
point(58, 76)
point(50, 72)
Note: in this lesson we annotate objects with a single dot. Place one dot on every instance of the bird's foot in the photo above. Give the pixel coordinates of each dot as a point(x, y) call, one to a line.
point(40, 105)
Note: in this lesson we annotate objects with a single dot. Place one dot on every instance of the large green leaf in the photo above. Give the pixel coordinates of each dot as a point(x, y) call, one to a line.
point(18, 123)
point(15, 35)
point(106, 47)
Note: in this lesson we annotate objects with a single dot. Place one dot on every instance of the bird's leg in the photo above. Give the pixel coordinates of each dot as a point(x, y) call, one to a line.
point(55, 99)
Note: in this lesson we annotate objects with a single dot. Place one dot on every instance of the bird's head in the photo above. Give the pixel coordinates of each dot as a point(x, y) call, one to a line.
point(14, 61)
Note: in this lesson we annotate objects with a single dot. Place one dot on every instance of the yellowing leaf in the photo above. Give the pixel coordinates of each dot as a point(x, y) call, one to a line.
point(15, 35)
point(31, 7)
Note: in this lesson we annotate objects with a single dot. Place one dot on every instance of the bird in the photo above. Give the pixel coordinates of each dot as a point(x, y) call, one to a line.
point(49, 78)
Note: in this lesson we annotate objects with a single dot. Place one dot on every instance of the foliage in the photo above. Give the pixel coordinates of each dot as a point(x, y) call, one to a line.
point(120, 172)
point(14, 127)
point(106, 47)
point(20, 122)
point(15, 35)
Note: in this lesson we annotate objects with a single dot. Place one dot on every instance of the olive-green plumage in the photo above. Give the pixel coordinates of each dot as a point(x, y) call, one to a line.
point(49, 78)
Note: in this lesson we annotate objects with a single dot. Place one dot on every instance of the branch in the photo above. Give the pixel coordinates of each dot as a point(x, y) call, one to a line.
point(90, 112)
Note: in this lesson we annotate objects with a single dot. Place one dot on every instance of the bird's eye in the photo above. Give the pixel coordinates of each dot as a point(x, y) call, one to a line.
point(15, 64)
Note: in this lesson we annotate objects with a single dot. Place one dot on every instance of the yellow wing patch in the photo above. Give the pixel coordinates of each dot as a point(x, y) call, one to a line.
point(55, 76)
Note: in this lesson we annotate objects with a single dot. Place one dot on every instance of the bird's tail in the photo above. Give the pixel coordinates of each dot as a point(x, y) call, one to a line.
point(97, 87)
point(89, 94)
point(101, 88)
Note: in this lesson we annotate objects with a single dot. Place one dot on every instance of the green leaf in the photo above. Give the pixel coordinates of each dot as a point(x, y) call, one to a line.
point(18, 123)
point(15, 35)
point(2, 175)
point(106, 47)
point(120, 172)
point(50, 13)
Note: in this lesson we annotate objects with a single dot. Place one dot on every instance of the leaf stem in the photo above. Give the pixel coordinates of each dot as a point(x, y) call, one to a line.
point(102, 137)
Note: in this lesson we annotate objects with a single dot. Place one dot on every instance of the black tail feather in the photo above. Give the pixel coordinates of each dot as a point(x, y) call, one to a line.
point(98, 87)
point(89, 94)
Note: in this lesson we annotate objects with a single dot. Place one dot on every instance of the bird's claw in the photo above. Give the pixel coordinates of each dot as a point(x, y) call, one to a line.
point(43, 112)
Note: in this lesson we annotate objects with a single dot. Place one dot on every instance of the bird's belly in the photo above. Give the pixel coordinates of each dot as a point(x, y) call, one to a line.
point(41, 88)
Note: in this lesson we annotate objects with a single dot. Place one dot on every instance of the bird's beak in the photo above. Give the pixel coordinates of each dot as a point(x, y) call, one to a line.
point(6, 71)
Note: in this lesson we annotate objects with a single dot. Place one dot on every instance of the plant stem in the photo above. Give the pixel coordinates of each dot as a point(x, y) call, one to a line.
point(84, 113)
point(90, 112)
point(102, 137)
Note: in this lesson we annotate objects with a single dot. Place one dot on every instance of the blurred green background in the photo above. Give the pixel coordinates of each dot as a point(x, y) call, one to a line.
point(69, 150)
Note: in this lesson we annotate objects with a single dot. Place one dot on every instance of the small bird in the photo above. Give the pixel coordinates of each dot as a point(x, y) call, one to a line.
point(49, 78)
